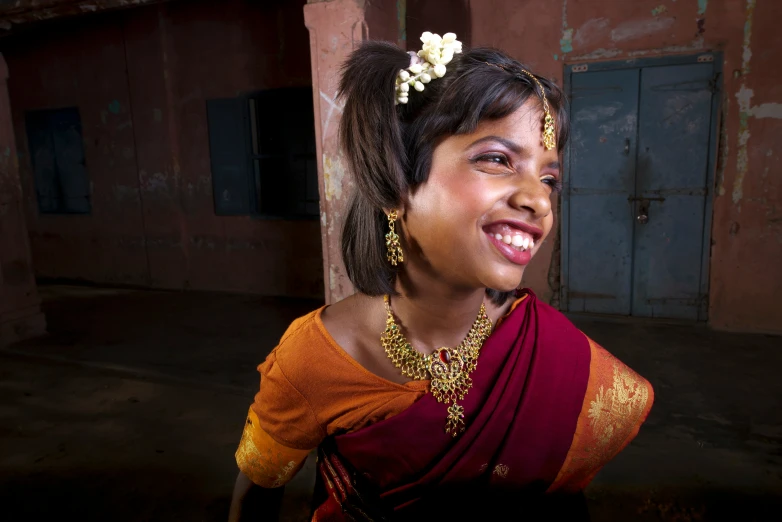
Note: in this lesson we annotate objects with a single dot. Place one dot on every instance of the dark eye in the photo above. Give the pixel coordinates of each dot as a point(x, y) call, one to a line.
point(553, 182)
point(494, 159)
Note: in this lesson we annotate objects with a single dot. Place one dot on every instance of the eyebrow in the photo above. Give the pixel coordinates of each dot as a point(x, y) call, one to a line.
point(513, 146)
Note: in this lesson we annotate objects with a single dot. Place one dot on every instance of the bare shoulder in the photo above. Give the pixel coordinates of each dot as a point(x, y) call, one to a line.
point(356, 324)
point(354, 321)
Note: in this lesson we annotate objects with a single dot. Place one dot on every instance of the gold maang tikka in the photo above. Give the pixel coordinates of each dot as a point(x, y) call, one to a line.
point(395, 254)
point(549, 131)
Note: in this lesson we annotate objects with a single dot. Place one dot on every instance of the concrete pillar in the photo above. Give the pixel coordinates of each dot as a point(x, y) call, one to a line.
point(336, 27)
point(20, 312)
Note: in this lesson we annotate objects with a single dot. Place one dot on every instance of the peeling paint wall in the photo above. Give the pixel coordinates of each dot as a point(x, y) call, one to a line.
point(746, 280)
point(747, 221)
point(141, 79)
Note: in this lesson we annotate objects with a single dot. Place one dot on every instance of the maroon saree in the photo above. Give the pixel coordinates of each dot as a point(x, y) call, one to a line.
point(521, 415)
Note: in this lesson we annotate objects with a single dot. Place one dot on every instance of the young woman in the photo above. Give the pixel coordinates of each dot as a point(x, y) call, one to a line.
point(439, 389)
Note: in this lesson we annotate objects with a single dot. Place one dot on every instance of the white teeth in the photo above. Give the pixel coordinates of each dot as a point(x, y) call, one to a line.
point(518, 241)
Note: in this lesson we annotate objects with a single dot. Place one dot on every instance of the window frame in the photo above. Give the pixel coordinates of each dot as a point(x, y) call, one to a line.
point(250, 122)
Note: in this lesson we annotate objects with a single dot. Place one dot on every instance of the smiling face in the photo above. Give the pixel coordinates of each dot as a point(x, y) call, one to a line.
point(486, 206)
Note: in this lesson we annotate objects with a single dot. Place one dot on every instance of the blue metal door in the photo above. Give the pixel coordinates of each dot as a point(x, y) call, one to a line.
point(636, 207)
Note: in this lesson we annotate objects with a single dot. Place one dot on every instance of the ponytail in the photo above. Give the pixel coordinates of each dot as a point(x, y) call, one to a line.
point(371, 136)
point(370, 132)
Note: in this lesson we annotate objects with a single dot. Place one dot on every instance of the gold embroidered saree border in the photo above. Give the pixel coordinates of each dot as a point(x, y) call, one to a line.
point(616, 404)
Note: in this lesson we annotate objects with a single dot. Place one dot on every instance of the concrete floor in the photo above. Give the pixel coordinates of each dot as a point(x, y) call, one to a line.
point(132, 407)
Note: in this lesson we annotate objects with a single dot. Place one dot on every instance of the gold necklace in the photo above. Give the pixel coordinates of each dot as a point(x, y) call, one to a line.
point(448, 368)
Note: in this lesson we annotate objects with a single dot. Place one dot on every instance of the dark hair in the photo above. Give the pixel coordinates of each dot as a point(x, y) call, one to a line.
point(389, 147)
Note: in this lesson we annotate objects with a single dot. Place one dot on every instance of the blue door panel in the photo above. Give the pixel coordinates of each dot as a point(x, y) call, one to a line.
point(600, 259)
point(604, 110)
point(674, 133)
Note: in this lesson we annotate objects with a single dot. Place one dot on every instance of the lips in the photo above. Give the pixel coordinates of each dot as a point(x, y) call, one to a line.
point(514, 239)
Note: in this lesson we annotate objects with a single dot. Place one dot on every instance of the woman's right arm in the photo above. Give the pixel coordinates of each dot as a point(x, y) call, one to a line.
point(251, 502)
point(269, 456)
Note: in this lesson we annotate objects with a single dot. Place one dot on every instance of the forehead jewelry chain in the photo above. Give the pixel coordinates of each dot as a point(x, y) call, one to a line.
point(549, 132)
point(448, 368)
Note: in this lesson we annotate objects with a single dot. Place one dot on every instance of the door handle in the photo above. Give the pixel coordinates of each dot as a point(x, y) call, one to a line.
point(643, 208)
point(627, 146)
point(643, 212)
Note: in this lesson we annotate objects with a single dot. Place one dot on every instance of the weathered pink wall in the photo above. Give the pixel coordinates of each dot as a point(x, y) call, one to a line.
point(141, 79)
point(20, 314)
point(746, 279)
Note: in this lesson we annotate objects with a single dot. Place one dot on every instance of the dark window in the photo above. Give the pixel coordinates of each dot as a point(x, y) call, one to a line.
point(262, 148)
point(57, 155)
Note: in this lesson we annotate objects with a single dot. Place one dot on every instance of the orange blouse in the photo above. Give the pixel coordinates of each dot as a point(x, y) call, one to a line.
point(310, 389)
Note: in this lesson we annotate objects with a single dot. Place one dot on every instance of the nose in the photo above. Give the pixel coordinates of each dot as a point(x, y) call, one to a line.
point(531, 195)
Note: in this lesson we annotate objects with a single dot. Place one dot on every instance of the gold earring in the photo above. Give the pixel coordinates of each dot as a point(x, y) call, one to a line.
point(395, 254)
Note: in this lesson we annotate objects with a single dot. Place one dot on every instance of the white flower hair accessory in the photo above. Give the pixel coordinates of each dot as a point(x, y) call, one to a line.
point(428, 64)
